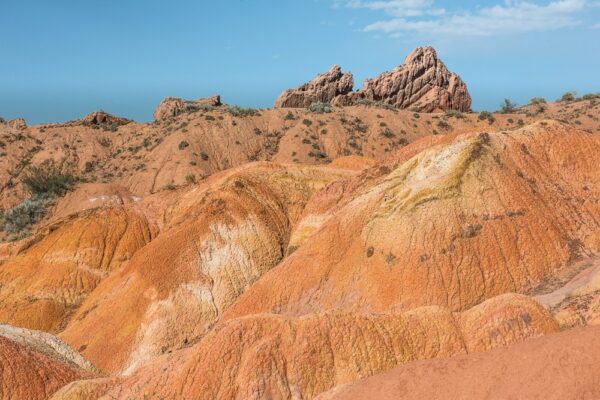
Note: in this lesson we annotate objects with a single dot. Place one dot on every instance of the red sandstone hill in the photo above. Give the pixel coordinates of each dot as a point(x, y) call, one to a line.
point(227, 253)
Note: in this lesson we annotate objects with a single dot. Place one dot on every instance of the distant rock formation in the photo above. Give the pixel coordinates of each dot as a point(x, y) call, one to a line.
point(103, 118)
point(324, 88)
point(17, 123)
point(172, 106)
point(423, 82)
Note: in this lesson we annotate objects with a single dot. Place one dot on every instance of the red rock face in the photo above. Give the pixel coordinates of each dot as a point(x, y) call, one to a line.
point(324, 88)
point(423, 82)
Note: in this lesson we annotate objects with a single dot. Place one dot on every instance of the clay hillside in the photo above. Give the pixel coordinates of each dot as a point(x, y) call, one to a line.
point(383, 242)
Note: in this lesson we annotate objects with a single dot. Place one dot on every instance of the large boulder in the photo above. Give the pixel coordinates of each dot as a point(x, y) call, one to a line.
point(423, 82)
point(171, 107)
point(324, 88)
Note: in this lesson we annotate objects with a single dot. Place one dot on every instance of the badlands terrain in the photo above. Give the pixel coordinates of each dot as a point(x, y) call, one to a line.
point(380, 243)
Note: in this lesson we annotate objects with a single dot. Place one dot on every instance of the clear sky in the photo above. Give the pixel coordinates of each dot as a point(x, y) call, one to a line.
point(61, 59)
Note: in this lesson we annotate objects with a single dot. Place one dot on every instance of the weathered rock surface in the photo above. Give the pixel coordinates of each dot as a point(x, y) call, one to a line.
point(423, 83)
point(34, 365)
point(450, 226)
point(63, 262)
point(324, 88)
point(270, 356)
point(171, 107)
point(218, 238)
point(559, 366)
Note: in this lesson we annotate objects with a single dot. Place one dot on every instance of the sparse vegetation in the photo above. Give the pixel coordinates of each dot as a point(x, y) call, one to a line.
point(238, 111)
point(307, 122)
point(319, 108)
point(47, 180)
point(183, 144)
point(289, 116)
point(454, 114)
point(537, 100)
point(22, 216)
point(507, 107)
point(569, 96)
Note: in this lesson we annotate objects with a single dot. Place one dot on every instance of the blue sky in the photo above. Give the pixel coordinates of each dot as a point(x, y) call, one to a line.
point(64, 58)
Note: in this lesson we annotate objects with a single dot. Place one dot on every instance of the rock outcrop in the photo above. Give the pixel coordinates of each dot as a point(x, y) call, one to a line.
point(423, 82)
point(171, 107)
point(103, 118)
point(324, 88)
point(17, 123)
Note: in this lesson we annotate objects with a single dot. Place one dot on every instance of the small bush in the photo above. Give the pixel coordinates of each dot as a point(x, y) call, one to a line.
point(319, 108)
point(24, 215)
point(183, 144)
point(444, 125)
point(537, 100)
point(307, 122)
point(455, 114)
point(190, 178)
point(569, 96)
point(238, 111)
point(508, 107)
point(47, 179)
point(590, 96)
point(289, 116)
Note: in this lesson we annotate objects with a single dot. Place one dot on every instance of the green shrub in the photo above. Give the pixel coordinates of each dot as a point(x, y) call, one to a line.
point(307, 122)
point(484, 115)
point(537, 100)
point(183, 144)
point(507, 107)
point(455, 114)
point(25, 214)
point(444, 125)
point(319, 108)
point(190, 178)
point(47, 180)
point(289, 116)
point(569, 96)
point(238, 111)
point(590, 96)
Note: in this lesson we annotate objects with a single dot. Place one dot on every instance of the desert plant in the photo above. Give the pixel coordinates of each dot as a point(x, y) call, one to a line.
point(307, 122)
point(454, 113)
point(319, 107)
point(507, 107)
point(47, 179)
point(569, 96)
point(183, 144)
point(238, 111)
point(25, 214)
point(537, 100)
point(289, 116)
point(190, 178)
